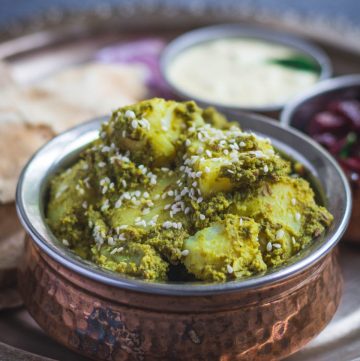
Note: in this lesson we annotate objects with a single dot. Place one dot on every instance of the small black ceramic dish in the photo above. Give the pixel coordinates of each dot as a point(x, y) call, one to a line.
point(240, 68)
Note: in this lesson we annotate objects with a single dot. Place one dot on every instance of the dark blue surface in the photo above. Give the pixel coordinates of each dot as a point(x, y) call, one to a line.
point(16, 10)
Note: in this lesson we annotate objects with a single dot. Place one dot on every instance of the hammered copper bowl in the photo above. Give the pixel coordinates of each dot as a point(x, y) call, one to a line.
point(107, 316)
point(302, 109)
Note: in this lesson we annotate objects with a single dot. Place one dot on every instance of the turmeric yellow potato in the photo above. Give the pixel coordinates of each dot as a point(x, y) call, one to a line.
point(225, 250)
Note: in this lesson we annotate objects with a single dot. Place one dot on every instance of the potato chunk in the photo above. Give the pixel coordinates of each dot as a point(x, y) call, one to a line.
point(227, 249)
point(153, 127)
point(289, 216)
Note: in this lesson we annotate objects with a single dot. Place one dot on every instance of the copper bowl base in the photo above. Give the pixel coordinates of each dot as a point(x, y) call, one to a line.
point(104, 322)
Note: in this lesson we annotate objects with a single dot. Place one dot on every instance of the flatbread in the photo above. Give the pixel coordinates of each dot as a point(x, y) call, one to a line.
point(36, 107)
point(18, 141)
point(31, 115)
point(6, 79)
point(99, 88)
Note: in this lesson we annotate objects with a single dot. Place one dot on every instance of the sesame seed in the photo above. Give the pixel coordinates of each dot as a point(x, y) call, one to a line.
point(86, 181)
point(141, 223)
point(241, 222)
point(266, 169)
point(229, 269)
point(293, 240)
point(170, 193)
point(200, 199)
point(202, 217)
point(297, 216)
point(134, 123)
point(84, 205)
point(105, 149)
point(185, 252)
point(242, 144)
point(116, 250)
point(194, 184)
point(167, 206)
point(122, 237)
point(65, 242)
point(280, 234)
point(167, 224)
point(145, 123)
point(105, 205)
point(226, 152)
point(156, 197)
point(277, 245)
point(101, 164)
point(207, 170)
point(187, 142)
point(111, 241)
point(269, 247)
point(130, 114)
point(187, 210)
point(293, 201)
point(208, 153)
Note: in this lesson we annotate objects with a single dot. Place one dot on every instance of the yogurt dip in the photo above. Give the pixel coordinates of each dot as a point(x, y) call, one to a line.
point(242, 72)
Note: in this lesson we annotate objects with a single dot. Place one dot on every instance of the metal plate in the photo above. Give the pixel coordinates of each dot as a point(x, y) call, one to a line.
point(64, 40)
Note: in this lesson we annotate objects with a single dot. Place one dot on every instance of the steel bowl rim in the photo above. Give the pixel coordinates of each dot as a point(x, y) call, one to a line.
point(171, 289)
point(212, 32)
point(321, 88)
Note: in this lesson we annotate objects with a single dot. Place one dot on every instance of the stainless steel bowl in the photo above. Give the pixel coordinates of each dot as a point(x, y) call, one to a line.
point(301, 110)
point(198, 36)
point(106, 315)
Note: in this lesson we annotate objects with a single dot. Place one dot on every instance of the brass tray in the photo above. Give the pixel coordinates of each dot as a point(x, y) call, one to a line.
point(59, 39)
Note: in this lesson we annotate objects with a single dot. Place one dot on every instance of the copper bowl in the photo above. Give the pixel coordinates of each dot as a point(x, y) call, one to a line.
point(302, 109)
point(108, 316)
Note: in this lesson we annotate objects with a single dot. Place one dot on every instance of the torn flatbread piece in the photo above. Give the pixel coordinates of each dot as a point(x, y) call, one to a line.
point(31, 115)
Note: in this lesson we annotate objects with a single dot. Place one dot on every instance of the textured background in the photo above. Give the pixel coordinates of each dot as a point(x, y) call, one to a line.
point(347, 11)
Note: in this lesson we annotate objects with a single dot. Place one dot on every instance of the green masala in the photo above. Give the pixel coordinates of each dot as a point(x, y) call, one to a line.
point(171, 191)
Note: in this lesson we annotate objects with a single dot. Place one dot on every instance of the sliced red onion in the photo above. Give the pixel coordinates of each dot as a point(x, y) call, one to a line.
point(350, 109)
point(327, 122)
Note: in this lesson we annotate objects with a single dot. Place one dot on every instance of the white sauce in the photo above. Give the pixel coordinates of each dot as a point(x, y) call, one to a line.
point(236, 72)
